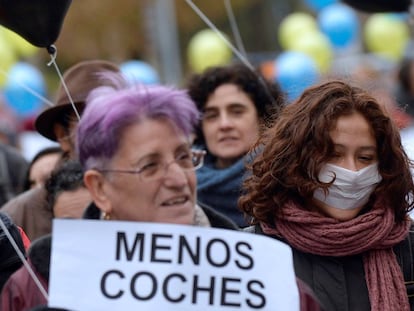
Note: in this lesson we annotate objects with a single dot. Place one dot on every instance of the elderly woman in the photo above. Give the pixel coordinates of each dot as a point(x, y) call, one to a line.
point(334, 183)
point(235, 103)
point(135, 146)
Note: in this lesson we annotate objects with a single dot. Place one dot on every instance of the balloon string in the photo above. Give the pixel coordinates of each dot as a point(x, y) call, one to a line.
point(62, 81)
point(214, 28)
point(411, 16)
point(238, 54)
point(31, 91)
point(23, 259)
point(234, 28)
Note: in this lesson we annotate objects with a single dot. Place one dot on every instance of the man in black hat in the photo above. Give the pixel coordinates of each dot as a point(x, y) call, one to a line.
point(29, 210)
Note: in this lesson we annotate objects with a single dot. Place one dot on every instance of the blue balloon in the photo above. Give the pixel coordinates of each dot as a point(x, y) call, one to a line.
point(23, 82)
point(136, 71)
point(295, 71)
point(340, 24)
point(318, 5)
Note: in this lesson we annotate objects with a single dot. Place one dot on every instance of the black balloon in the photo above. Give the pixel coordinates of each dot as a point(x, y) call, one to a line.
point(38, 21)
point(376, 6)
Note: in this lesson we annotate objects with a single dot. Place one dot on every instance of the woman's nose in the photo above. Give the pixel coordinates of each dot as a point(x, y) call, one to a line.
point(175, 175)
point(225, 120)
point(350, 164)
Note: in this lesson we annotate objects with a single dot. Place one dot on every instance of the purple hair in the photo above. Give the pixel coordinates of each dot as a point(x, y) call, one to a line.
point(110, 109)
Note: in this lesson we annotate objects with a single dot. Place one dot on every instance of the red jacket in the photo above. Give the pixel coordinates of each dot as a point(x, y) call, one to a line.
point(21, 293)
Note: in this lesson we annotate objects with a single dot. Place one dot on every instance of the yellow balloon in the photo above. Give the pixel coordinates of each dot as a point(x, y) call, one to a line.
point(18, 43)
point(318, 47)
point(295, 25)
point(206, 48)
point(7, 59)
point(386, 35)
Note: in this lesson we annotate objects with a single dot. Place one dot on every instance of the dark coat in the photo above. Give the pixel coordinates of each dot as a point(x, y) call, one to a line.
point(9, 261)
point(339, 282)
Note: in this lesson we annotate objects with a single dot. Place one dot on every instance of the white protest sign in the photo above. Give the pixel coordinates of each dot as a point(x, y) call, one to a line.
point(114, 265)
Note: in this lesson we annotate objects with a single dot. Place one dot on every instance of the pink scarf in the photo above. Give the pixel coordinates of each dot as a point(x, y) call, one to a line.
point(373, 233)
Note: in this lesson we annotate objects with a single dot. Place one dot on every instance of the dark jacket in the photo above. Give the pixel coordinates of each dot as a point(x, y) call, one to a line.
point(13, 171)
point(339, 282)
point(9, 260)
point(20, 291)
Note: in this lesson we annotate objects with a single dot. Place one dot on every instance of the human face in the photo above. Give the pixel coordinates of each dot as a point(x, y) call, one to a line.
point(354, 148)
point(42, 168)
point(66, 136)
point(230, 124)
point(170, 199)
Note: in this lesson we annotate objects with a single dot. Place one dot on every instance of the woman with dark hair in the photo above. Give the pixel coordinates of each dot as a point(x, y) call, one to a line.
point(333, 181)
point(235, 103)
point(41, 166)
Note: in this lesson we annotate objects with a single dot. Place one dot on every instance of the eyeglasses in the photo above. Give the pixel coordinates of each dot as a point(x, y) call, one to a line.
point(154, 170)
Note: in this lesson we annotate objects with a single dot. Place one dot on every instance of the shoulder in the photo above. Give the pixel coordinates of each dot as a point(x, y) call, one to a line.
point(217, 219)
point(33, 197)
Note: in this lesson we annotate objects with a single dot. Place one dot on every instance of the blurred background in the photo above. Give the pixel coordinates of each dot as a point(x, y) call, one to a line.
point(296, 43)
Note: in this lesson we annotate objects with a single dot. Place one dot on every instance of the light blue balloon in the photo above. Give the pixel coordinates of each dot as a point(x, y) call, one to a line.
point(318, 5)
point(22, 81)
point(136, 71)
point(340, 24)
point(295, 71)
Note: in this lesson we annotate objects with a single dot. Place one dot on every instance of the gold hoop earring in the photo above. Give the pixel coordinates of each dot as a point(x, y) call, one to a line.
point(106, 216)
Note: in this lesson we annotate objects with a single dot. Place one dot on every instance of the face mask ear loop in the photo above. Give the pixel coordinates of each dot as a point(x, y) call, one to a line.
point(23, 259)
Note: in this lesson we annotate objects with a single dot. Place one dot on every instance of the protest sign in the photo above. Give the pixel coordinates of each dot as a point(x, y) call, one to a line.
point(114, 265)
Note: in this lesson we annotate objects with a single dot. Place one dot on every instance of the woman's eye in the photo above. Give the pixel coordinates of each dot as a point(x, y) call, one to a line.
point(237, 112)
point(149, 167)
point(184, 156)
point(366, 158)
point(335, 155)
point(210, 115)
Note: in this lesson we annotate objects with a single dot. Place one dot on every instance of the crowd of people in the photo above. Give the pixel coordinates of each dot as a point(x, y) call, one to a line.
point(328, 175)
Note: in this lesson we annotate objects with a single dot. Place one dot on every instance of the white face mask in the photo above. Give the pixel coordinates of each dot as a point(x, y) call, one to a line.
point(350, 189)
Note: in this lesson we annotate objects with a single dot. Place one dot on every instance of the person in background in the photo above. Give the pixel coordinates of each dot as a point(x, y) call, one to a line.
point(404, 92)
point(67, 198)
point(404, 95)
point(67, 195)
point(41, 166)
point(30, 209)
point(333, 181)
point(235, 104)
point(9, 260)
point(13, 168)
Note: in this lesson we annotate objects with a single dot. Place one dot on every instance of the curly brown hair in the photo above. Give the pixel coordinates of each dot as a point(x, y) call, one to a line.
point(292, 152)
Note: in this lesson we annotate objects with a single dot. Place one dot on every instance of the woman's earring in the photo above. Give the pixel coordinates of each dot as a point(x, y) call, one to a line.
point(106, 216)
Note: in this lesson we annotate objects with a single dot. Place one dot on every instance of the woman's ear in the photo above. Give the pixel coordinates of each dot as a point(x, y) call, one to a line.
point(96, 184)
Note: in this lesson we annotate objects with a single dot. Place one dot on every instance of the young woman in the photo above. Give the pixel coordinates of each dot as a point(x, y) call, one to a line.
point(334, 183)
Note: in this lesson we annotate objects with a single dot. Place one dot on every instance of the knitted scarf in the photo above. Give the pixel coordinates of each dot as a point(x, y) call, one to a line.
point(221, 188)
point(373, 234)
